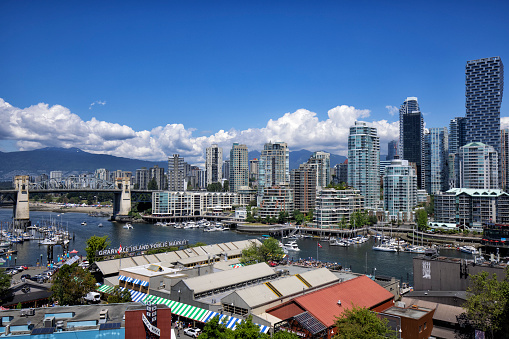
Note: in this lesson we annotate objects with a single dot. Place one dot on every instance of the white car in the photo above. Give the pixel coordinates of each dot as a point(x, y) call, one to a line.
point(192, 332)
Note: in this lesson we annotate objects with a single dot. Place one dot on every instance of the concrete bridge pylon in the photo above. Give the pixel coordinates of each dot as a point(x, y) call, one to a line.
point(123, 203)
point(21, 210)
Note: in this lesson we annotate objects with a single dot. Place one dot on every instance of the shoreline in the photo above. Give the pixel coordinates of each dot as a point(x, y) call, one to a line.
point(66, 209)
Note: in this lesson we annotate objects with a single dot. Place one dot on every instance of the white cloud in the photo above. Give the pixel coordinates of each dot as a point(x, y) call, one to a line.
point(41, 126)
point(504, 122)
point(392, 109)
point(102, 103)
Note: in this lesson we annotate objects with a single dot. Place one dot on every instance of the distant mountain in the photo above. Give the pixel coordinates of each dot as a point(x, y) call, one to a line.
point(300, 157)
point(68, 160)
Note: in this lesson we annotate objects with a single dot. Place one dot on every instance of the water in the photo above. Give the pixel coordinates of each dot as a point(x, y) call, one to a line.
point(360, 258)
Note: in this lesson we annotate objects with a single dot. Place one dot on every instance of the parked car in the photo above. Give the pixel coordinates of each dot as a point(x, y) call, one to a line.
point(192, 332)
point(11, 271)
point(21, 268)
point(25, 276)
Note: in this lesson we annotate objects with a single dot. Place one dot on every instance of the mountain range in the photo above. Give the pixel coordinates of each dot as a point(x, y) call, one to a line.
point(76, 161)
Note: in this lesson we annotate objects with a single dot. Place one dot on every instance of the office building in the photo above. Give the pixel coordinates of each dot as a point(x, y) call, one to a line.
point(239, 167)
point(363, 162)
point(412, 147)
point(274, 166)
point(400, 190)
point(226, 170)
point(176, 173)
point(504, 159)
point(436, 156)
point(303, 183)
point(409, 105)
point(392, 149)
point(478, 166)
point(457, 134)
point(484, 82)
point(214, 164)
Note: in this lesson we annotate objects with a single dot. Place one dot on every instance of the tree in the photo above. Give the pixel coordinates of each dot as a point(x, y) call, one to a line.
point(215, 187)
point(215, 330)
point(283, 217)
point(248, 330)
point(119, 295)
point(488, 304)
point(94, 244)
point(298, 216)
point(269, 250)
point(284, 335)
point(5, 283)
point(226, 186)
point(71, 284)
point(422, 219)
point(359, 322)
point(309, 216)
point(152, 184)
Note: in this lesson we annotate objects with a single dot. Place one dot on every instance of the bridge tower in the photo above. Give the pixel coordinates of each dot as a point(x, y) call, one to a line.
point(122, 205)
point(21, 210)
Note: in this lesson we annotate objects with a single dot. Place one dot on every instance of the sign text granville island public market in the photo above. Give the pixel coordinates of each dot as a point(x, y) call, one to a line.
point(138, 248)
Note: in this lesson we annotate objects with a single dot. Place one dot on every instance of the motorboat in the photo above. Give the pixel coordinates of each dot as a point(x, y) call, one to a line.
point(469, 249)
point(128, 226)
point(100, 225)
point(48, 241)
point(340, 242)
point(291, 246)
point(385, 248)
point(84, 223)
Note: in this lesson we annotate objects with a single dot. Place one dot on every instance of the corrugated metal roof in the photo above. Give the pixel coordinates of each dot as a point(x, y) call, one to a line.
point(323, 303)
point(151, 258)
point(227, 278)
point(289, 285)
point(256, 295)
point(320, 276)
point(139, 260)
point(213, 249)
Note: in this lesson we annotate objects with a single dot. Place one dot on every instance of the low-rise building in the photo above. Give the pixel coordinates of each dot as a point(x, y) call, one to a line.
point(276, 199)
point(178, 204)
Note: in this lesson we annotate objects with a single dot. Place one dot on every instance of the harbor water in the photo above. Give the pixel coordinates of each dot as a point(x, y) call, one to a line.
point(359, 258)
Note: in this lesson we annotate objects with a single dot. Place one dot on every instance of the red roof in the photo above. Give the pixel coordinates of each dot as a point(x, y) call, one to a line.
point(323, 304)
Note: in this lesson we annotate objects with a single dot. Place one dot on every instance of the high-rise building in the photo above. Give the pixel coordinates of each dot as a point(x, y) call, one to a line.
point(392, 149)
point(321, 161)
point(253, 169)
point(411, 136)
point(141, 178)
point(341, 172)
point(457, 134)
point(478, 166)
point(214, 164)
point(56, 175)
point(400, 190)
point(363, 162)
point(226, 169)
point(239, 167)
point(484, 82)
point(436, 156)
point(303, 183)
point(176, 173)
point(334, 207)
point(504, 159)
point(274, 166)
point(102, 174)
point(157, 173)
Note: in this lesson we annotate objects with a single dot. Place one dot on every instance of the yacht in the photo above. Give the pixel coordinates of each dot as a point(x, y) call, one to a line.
point(469, 249)
point(385, 248)
point(291, 246)
point(339, 242)
point(48, 241)
point(128, 226)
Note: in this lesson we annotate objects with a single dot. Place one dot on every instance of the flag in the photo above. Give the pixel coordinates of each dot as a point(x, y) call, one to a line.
point(319, 245)
point(120, 249)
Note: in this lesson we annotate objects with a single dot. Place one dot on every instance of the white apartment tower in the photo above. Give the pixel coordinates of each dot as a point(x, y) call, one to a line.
point(239, 167)
point(214, 164)
point(274, 166)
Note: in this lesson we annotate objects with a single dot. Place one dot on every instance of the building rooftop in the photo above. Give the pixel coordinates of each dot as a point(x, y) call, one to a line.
point(149, 270)
point(411, 312)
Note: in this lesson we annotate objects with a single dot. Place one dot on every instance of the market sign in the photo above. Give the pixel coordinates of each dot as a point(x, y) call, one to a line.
point(139, 248)
point(150, 327)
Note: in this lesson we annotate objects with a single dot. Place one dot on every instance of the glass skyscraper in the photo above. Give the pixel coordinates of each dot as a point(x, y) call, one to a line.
point(484, 82)
point(411, 136)
point(457, 137)
point(363, 162)
point(436, 157)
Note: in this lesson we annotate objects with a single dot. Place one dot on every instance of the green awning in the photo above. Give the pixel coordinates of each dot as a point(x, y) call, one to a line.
point(183, 310)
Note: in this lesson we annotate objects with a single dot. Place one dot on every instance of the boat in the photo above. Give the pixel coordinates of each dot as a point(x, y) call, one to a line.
point(128, 226)
point(48, 241)
point(84, 223)
point(469, 249)
point(340, 242)
point(385, 248)
point(291, 246)
point(100, 225)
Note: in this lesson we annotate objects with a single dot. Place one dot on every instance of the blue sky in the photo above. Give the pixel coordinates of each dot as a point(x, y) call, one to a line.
point(149, 79)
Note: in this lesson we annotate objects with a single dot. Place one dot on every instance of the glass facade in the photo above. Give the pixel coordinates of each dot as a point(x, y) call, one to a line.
point(436, 157)
point(400, 190)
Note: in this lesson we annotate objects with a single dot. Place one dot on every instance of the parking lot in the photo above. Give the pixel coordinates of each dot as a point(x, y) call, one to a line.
point(32, 271)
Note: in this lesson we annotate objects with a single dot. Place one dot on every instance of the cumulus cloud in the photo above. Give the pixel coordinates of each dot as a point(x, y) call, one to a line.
point(392, 109)
point(41, 126)
point(102, 103)
point(504, 122)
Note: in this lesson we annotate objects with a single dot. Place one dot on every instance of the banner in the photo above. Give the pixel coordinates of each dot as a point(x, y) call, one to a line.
point(139, 248)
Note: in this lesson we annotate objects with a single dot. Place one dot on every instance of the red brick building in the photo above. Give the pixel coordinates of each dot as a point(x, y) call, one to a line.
point(312, 315)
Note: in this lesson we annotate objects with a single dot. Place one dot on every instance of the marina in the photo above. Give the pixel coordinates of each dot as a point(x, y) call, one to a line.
point(359, 258)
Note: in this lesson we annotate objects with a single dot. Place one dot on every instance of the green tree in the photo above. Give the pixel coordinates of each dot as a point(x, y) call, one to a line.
point(5, 283)
point(152, 184)
point(284, 335)
point(215, 330)
point(248, 330)
point(71, 284)
point(19, 306)
point(359, 322)
point(298, 216)
point(269, 250)
point(488, 304)
point(215, 187)
point(283, 217)
point(48, 198)
point(118, 296)
point(94, 244)
point(226, 186)
point(422, 219)
point(309, 216)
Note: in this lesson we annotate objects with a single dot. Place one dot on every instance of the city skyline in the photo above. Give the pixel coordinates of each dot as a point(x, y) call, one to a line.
point(147, 82)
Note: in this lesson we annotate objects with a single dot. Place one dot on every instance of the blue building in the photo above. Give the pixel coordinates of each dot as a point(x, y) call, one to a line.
point(436, 156)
